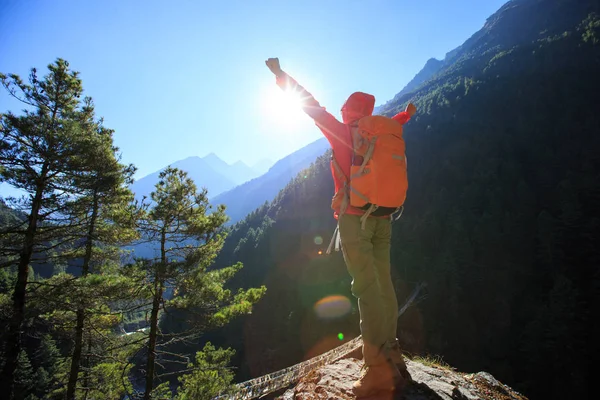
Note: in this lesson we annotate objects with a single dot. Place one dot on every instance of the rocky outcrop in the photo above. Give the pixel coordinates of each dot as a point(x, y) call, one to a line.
point(334, 381)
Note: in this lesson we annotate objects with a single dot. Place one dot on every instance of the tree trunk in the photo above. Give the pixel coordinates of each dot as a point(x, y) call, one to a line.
point(12, 344)
point(86, 365)
point(153, 335)
point(76, 357)
point(158, 289)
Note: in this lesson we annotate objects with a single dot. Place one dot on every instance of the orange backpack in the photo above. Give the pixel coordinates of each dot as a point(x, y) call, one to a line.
point(378, 179)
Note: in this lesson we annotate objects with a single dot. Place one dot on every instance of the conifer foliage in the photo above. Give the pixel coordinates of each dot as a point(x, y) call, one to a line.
point(67, 287)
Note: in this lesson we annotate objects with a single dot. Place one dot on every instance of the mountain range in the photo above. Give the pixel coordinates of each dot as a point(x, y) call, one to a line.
point(214, 173)
point(245, 198)
point(239, 187)
point(209, 172)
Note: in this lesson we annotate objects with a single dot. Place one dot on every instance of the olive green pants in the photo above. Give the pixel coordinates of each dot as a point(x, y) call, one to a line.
point(367, 256)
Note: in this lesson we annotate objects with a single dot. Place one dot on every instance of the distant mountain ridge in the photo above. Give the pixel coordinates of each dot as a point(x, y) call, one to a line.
point(519, 14)
point(262, 166)
point(209, 172)
point(516, 19)
point(237, 172)
point(243, 199)
point(432, 66)
point(240, 200)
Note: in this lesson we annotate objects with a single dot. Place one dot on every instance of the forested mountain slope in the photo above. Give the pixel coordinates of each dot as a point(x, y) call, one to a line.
point(501, 220)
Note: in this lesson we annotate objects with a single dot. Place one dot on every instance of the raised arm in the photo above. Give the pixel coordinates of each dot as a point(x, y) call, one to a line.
point(327, 122)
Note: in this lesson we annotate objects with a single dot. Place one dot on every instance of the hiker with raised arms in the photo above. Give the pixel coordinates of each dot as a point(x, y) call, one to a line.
point(368, 165)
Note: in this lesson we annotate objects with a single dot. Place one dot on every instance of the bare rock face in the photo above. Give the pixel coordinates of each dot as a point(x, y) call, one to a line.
point(335, 381)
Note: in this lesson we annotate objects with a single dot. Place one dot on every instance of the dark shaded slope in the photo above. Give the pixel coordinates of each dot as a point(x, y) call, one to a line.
point(502, 217)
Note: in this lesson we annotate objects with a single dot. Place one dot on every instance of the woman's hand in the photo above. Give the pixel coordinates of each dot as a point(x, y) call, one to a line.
point(273, 64)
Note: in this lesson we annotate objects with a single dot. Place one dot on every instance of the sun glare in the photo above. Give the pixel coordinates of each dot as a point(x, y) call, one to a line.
point(283, 107)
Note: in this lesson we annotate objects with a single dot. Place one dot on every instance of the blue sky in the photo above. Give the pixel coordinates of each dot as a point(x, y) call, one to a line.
point(186, 78)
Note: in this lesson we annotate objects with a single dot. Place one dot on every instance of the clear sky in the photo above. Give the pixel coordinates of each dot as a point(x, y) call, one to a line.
point(186, 78)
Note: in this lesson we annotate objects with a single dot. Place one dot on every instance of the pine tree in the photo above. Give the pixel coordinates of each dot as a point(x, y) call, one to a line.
point(40, 152)
point(105, 355)
point(25, 377)
point(189, 238)
point(209, 376)
point(106, 217)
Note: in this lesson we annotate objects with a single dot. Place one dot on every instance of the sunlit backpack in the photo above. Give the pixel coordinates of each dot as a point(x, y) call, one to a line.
point(378, 179)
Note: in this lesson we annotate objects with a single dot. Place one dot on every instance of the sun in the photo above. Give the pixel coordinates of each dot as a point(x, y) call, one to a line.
point(283, 108)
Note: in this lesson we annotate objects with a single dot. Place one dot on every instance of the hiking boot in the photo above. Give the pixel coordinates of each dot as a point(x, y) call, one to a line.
point(394, 354)
point(375, 379)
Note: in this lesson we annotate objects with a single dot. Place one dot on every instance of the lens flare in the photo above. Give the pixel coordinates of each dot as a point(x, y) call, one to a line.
point(341, 336)
point(318, 240)
point(283, 107)
point(330, 307)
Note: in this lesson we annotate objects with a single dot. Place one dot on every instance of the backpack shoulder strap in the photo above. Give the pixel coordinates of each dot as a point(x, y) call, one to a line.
point(368, 154)
point(338, 169)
